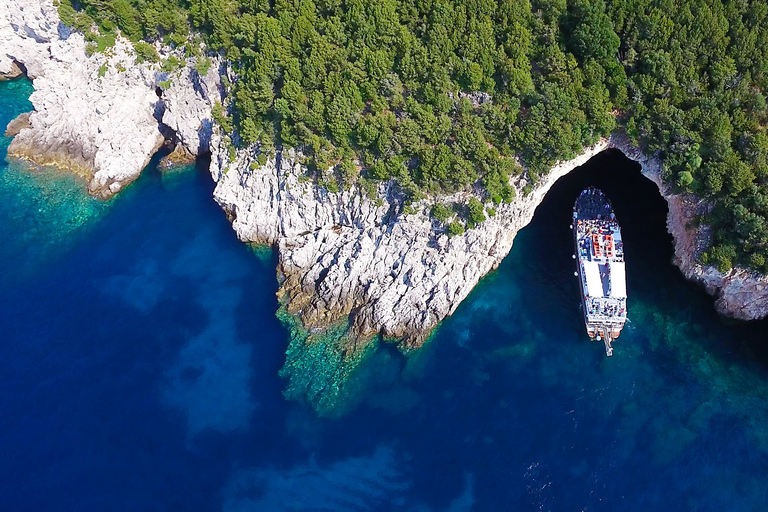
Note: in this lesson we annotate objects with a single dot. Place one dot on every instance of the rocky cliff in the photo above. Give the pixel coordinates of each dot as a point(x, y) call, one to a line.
point(739, 293)
point(348, 256)
point(103, 116)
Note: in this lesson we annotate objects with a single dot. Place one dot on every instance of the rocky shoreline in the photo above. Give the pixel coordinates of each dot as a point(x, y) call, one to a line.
point(347, 256)
point(344, 258)
point(102, 116)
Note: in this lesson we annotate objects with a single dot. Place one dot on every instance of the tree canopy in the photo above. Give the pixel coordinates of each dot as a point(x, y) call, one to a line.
point(444, 94)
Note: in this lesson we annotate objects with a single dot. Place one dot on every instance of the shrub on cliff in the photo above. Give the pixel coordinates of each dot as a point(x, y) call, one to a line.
point(146, 52)
point(685, 180)
point(455, 228)
point(722, 256)
point(221, 117)
point(77, 19)
point(441, 212)
point(475, 212)
point(202, 65)
point(128, 19)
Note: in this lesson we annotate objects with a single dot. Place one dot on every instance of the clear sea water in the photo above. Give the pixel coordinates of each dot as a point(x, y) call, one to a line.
point(140, 354)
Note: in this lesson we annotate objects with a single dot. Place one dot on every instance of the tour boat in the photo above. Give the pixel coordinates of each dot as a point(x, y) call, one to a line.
point(600, 267)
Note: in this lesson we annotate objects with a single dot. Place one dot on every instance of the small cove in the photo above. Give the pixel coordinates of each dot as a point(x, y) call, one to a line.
point(141, 354)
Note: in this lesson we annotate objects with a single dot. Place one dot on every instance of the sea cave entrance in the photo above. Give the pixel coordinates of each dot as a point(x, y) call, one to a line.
point(639, 207)
point(642, 213)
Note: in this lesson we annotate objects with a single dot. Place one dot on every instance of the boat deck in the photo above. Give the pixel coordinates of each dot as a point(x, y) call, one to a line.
point(600, 253)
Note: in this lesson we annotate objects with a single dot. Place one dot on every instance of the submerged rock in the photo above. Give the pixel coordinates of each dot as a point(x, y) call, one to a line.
point(99, 116)
point(178, 157)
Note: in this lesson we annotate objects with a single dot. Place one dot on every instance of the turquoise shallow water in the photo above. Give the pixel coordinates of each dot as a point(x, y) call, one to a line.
point(140, 360)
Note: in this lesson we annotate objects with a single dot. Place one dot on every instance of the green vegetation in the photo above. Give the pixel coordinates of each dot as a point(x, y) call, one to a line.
point(221, 117)
point(171, 64)
point(146, 52)
point(455, 228)
point(443, 94)
point(697, 75)
point(77, 19)
point(136, 19)
point(475, 212)
point(203, 65)
point(102, 40)
point(441, 212)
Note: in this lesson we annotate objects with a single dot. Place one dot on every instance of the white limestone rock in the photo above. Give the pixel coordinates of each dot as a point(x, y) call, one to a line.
point(346, 256)
point(99, 116)
point(27, 27)
point(188, 103)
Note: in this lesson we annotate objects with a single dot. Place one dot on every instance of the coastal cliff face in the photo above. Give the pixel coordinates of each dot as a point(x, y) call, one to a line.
point(347, 256)
point(100, 116)
point(739, 293)
point(343, 257)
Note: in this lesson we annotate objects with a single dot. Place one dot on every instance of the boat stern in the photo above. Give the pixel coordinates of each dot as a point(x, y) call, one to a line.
point(605, 333)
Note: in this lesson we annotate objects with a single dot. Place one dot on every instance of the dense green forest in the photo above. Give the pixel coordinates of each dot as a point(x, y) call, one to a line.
point(443, 94)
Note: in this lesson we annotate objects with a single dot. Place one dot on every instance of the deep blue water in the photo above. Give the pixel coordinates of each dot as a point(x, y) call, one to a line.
point(140, 359)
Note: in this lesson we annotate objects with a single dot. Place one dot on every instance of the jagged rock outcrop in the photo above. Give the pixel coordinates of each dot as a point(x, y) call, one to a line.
point(100, 115)
point(11, 71)
point(17, 124)
point(187, 107)
point(739, 293)
point(345, 255)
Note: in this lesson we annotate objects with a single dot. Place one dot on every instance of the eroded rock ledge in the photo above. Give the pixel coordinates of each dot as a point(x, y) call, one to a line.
point(346, 256)
point(100, 116)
